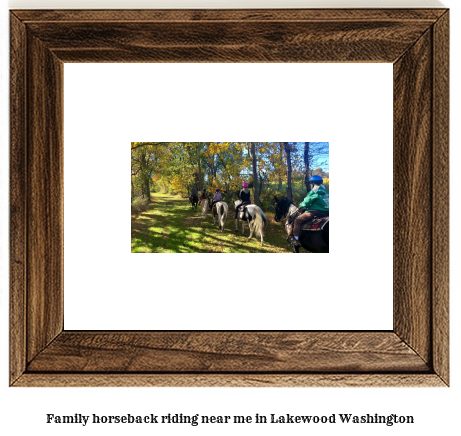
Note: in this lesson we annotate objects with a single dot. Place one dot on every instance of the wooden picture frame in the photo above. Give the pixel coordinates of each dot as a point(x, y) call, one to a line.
point(414, 353)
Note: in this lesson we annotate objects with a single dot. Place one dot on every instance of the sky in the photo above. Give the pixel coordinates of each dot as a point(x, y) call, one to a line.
point(322, 161)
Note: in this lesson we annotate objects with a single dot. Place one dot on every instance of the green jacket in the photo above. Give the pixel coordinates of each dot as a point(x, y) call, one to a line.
point(317, 200)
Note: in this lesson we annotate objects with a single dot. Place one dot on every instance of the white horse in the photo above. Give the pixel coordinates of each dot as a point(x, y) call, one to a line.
point(204, 204)
point(254, 216)
point(220, 210)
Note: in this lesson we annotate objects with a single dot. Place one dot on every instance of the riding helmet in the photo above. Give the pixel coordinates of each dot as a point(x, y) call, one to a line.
point(316, 179)
point(245, 185)
point(217, 189)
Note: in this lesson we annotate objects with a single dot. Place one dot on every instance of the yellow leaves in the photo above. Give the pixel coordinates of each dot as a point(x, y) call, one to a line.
point(177, 166)
point(214, 148)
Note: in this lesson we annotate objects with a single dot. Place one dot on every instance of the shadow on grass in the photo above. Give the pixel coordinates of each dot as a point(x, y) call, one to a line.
point(170, 225)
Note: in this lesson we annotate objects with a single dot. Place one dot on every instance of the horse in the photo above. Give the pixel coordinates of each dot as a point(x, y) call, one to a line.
point(220, 210)
point(204, 204)
point(313, 241)
point(254, 216)
point(193, 200)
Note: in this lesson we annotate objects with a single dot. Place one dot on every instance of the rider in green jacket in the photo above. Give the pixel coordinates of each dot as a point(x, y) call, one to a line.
point(318, 204)
point(317, 199)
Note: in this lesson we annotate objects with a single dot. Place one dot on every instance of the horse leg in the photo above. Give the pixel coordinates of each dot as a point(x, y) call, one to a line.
point(236, 225)
point(221, 221)
point(251, 226)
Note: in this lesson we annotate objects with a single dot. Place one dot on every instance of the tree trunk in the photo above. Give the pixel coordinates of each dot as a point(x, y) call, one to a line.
point(147, 189)
point(306, 166)
point(200, 180)
point(260, 186)
point(255, 174)
point(288, 152)
point(281, 164)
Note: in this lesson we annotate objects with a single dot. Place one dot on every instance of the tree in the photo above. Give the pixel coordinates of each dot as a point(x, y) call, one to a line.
point(315, 153)
point(174, 167)
point(198, 159)
point(141, 168)
point(288, 150)
point(255, 173)
point(281, 165)
point(146, 159)
point(307, 166)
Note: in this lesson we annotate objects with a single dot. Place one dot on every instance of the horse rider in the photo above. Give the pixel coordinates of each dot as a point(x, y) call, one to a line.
point(203, 196)
point(193, 193)
point(217, 197)
point(318, 204)
point(243, 195)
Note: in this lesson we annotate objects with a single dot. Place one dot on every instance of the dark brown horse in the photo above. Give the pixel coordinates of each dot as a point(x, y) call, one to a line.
point(193, 200)
point(313, 241)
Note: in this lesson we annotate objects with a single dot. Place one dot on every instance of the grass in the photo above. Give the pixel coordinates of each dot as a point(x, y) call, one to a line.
point(170, 225)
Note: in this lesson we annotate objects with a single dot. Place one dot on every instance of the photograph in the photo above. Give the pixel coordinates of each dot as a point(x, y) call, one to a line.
point(230, 197)
point(99, 341)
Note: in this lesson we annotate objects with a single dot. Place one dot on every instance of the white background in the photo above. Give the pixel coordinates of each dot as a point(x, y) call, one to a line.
point(435, 410)
point(108, 105)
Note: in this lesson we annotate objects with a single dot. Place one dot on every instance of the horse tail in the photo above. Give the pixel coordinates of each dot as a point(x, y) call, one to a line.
point(260, 221)
point(222, 214)
point(204, 208)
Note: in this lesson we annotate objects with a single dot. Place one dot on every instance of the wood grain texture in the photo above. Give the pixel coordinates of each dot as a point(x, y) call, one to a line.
point(440, 206)
point(412, 196)
point(18, 192)
point(205, 15)
point(235, 352)
point(45, 242)
point(230, 380)
point(414, 354)
point(357, 41)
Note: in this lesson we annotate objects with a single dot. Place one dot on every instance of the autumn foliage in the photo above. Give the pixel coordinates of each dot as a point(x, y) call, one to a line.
point(175, 167)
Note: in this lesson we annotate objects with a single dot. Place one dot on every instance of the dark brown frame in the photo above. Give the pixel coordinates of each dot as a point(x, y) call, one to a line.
point(414, 353)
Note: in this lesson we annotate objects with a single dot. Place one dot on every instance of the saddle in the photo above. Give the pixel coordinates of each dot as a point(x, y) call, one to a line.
point(241, 209)
point(316, 224)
